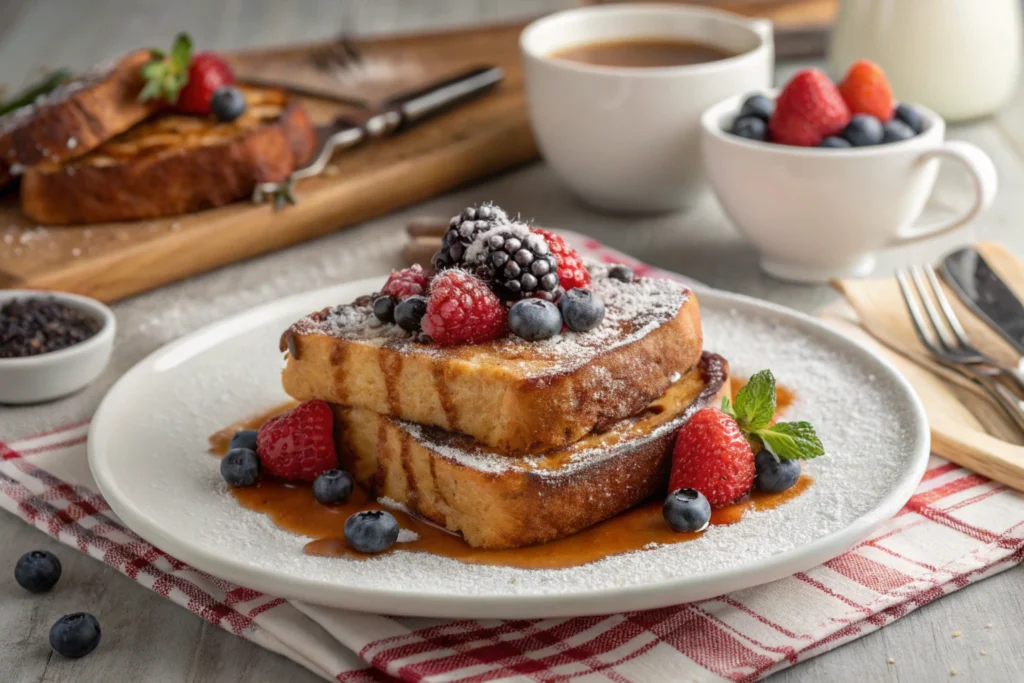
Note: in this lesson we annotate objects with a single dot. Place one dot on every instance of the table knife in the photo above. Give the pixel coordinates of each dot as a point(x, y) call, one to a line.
point(393, 116)
point(973, 280)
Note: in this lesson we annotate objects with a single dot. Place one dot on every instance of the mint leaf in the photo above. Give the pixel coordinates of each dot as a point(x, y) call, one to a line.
point(792, 441)
point(727, 407)
point(755, 402)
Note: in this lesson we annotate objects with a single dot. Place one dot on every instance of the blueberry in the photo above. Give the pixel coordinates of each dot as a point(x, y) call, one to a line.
point(774, 475)
point(758, 106)
point(37, 571)
point(371, 531)
point(534, 319)
point(227, 103)
point(410, 312)
point(75, 635)
point(863, 130)
point(333, 487)
point(582, 310)
point(240, 467)
point(687, 510)
point(245, 438)
point(384, 308)
point(835, 142)
point(896, 131)
point(910, 116)
point(621, 273)
point(751, 128)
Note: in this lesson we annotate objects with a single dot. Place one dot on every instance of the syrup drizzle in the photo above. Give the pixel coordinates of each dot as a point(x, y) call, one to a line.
point(293, 508)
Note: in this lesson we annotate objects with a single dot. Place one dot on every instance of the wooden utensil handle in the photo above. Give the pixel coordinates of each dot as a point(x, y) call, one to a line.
point(984, 454)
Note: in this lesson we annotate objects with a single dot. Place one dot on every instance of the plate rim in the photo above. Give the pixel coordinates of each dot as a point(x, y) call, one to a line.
point(539, 605)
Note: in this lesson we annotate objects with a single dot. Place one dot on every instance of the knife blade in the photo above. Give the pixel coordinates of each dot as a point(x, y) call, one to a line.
point(981, 289)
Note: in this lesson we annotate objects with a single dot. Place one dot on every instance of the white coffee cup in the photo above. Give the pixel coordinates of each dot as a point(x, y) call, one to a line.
point(816, 214)
point(627, 139)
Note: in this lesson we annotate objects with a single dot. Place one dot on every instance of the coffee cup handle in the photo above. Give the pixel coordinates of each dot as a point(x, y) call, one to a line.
point(983, 176)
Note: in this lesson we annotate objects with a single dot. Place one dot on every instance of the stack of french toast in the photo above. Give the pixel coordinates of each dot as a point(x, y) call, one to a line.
point(147, 135)
point(505, 410)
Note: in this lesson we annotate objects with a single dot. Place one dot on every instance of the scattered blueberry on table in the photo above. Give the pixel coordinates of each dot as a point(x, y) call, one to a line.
point(687, 510)
point(75, 635)
point(37, 571)
point(333, 487)
point(371, 531)
point(774, 475)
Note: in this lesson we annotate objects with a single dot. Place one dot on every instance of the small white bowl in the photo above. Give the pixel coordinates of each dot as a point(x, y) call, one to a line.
point(815, 214)
point(34, 379)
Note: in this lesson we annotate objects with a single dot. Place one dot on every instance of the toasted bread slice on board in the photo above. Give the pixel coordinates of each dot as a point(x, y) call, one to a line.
point(173, 164)
point(74, 118)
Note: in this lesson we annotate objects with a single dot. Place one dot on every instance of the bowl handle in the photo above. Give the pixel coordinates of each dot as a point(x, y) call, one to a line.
point(983, 176)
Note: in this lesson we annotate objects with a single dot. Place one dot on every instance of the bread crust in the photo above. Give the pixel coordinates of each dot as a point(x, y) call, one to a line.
point(478, 392)
point(174, 181)
point(75, 118)
point(524, 505)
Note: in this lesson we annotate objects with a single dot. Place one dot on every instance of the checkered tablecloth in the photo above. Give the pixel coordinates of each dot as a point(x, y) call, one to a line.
point(958, 528)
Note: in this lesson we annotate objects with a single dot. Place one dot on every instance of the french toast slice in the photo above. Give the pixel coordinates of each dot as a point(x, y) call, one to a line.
point(174, 164)
point(75, 117)
point(515, 396)
point(496, 501)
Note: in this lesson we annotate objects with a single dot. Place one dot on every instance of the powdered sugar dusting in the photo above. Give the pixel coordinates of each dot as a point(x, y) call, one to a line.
point(478, 247)
point(632, 311)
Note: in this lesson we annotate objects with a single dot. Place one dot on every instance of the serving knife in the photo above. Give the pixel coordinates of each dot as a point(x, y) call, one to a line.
point(982, 290)
point(393, 116)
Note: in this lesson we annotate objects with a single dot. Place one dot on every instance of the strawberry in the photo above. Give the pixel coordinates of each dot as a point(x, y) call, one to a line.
point(866, 90)
point(571, 272)
point(808, 110)
point(298, 445)
point(713, 452)
point(183, 79)
point(712, 456)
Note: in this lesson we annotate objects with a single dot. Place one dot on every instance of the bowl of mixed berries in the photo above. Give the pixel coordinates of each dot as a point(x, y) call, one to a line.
point(820, 175)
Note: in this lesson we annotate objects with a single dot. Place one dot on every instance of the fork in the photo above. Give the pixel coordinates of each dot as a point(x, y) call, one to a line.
point(955, 350)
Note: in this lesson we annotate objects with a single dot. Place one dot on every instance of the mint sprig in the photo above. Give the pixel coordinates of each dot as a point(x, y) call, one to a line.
point(167, 74)
point(753, 411)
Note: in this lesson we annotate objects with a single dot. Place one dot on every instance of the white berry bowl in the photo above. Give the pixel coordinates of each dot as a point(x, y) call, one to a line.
point(47, 376)
point(815, 214)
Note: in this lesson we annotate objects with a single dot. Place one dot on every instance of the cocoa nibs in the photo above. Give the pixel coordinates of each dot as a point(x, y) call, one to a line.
point(30, 327)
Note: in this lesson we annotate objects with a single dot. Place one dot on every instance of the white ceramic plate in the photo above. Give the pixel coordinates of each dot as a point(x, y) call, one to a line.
point(147, 450)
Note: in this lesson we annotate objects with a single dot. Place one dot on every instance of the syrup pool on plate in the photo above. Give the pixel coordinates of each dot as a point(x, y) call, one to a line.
point(293, 508)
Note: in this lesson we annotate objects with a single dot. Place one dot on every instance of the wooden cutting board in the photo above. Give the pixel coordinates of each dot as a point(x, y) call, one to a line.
point(112, 261)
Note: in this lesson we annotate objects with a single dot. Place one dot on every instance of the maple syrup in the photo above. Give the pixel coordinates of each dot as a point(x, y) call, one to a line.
point(293, 508)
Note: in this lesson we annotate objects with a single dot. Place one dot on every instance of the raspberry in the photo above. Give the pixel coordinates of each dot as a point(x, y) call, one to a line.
point(406, 282)
point(571, 272)
point(462, 309)
point(808, 110)
point(866, 90)
point(298, 445)
point(713, 456)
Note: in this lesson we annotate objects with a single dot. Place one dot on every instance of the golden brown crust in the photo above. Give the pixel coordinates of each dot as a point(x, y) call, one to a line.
point(62, 127)
point(555, 495)
point(486, 396)
point(172, 169)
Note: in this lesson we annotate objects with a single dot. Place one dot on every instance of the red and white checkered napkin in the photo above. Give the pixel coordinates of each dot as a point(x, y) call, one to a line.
point(957, 529)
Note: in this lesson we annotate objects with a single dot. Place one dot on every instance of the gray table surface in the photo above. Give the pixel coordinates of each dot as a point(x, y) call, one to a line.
point(147, 638)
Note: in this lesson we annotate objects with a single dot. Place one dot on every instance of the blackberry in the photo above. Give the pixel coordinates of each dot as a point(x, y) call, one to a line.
point(462, 230)
point(518, 264)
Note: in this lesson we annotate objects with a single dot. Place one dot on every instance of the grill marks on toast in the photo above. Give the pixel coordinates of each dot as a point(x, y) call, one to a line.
point(173, 164)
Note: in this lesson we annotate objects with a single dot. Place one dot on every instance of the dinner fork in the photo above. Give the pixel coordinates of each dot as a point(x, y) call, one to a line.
point(941, 332)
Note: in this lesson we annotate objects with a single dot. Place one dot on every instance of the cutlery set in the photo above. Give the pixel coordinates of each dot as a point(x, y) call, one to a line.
point(939, 329)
